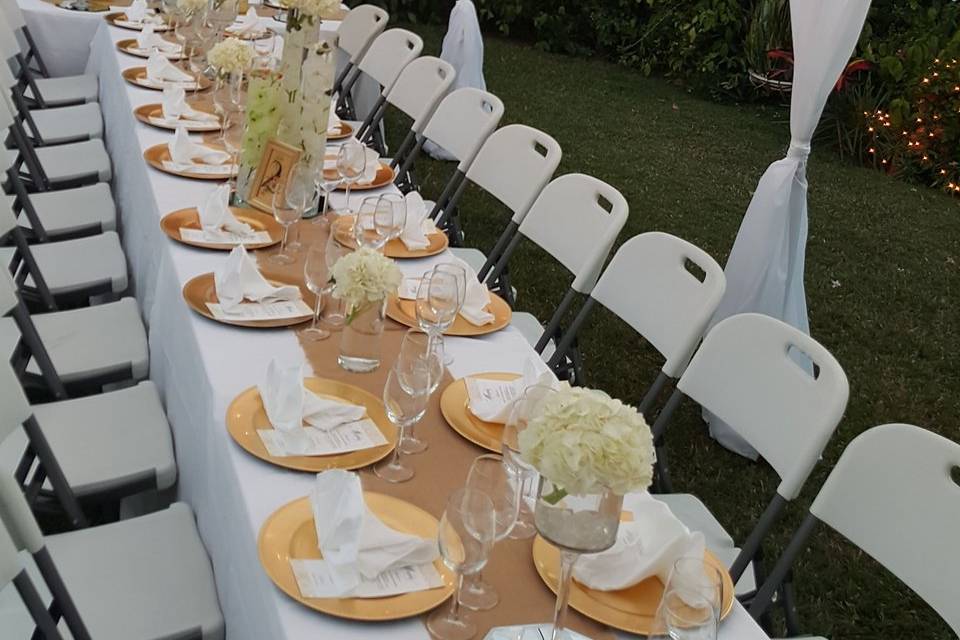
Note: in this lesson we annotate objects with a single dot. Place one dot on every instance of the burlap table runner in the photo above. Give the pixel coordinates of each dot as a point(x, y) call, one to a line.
point(524, 598)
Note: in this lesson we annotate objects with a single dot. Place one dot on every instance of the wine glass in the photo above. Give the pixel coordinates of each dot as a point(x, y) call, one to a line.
point(365, 230)
point(465, 537)
point(351, 163)
point(691, 574)
point(286, 216)
point(328, 179)
point(460, 273)
point(437, 298)
point(417, 351)
point(688, 615)
point(299, 192)
point(405, 397)
point(263, 50)
point(316, 275)
point(390, 216)
point(491, 474)
point(334, 314)
point(526, 407)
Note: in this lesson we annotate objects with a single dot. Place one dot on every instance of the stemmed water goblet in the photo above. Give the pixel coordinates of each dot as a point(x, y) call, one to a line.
point(405, 397)
point(694, 587)
point(436, 304)
point(491, 474)
point(466, 535)
point(390, 216)
point(458, 272)
point(286, 216)
point(365, 230)
point(418, 351)
point(351, 163)
point(333, 251)
point(300, 194)
point(327, 180)
point(316, 275)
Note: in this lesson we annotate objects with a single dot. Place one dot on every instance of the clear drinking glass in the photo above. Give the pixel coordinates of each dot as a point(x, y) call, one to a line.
point(351, 163)
point(286, 216)
point(437, 301)
point(490, 474)
point(316, 276)
point(299, 193)
point(405, 397)
point(688, 615)
point(458, 272)
point(334, 315)
point(328, 179)
point(365, 230)
point(691, 574)
point(390, 216)
point(466, 535)
point(417, 350)
point(525, 408)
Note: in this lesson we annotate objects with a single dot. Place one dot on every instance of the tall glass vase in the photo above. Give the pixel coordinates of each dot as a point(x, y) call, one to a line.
point(360, 338)
point(264, 95)
point(576, 524)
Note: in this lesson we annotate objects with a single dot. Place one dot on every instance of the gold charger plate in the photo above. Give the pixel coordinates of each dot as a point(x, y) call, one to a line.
point(405, 312)
point(160, 153)
point(344, 130)
point(137, 76)
point(453, 406)
point(343, 232)
point(144, 112)
point(113, 17)
point(245, 415)
point(189, 218)
point(385, 175)
point(290, 533)
point(633, 609)
point(200, 290)
point(130, 47)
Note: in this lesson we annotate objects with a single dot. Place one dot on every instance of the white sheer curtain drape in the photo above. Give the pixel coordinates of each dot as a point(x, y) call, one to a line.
point(765, 268)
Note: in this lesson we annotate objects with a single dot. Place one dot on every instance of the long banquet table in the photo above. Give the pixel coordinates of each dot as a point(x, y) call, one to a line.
point(200, 366)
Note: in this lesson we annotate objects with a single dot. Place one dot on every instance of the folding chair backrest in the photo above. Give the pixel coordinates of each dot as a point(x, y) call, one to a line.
point(10, 565)
point(358, 29)
point(15, 513)
point(13, 14)
point(9, 297)
point(463, 121)
point(13, 402)
point(389, 53)
point(576, 219)
point(891, 494)
point(420, 87)
point(747, 373)
point(647, 285)
point(514, 164)
point(9, 46)
point(6, 109)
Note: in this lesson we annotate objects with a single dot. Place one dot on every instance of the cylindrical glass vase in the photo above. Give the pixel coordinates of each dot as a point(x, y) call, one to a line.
point(361, 336)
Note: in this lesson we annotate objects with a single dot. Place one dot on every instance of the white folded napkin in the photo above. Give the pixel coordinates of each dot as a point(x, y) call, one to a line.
point(372, 165)
point(215, 213)
point(247, 24)
point(184, 151)
point(493, 400)
point(478, 297)
point(160, 70)
point(147, 39)
point(418, 225)
point(136, 12)
point(352, 538)
point(239, 280)
point(647, 546)
point(174, 105)
point(333, 120)
point(289, 404)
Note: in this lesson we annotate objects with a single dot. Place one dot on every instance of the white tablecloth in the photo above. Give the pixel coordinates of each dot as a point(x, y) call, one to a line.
point(200, 366)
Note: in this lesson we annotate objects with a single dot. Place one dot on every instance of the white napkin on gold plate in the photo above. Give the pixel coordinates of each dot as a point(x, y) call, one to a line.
point(184, 151)
point(478, 297)
point(215, 214)
point(136, 12)
point(418, 225)
point(174, 106)
point(493, 400)
point(246, 25)
point(371, 167)
point(333, 120)
point(148, 40)
point(289, 405)
point(239, 280)
point(160, 70)
point(647, 546)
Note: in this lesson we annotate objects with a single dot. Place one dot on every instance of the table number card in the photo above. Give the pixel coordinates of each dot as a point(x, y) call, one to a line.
point(256, 311)
point(310, 441)
point(319, 579)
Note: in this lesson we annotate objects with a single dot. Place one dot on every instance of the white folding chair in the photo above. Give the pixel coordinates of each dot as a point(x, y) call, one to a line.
point(386, 57)
point(576, 219)
point(891, 494)
point(37, 89)
point(11, 11)
point(148, 577)
point(357, 30)
point(651, 283)
point(64, 273)
point(417, 92)
point(778, 389)
point(513, 165)
point(40, 623)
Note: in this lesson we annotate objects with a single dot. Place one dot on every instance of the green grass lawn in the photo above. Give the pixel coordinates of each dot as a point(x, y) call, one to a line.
point(883, 266)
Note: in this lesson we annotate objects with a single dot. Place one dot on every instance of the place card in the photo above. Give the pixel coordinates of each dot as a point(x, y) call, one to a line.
point(206, 125)
point(247, 311)
point(310, 441)
point(408, 288)
point(220, 236)
point(163, 84)
point(487, 397)
point(320, 579)
point(225, 169)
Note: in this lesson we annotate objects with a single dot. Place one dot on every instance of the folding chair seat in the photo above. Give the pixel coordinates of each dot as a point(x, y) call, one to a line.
point(752, 371)
point(148, 577)
point(68, 212)
point(652, 284)
point(890, 494)
point(384, 59)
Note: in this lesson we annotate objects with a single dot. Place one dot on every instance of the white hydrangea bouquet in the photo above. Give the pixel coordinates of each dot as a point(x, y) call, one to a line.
point(231, 55)
point(364, 278)
point(310, 12)
point(584, 442)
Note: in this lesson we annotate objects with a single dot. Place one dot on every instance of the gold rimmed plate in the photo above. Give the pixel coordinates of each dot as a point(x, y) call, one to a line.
point(246, 415)
point(118, 19)
point(137, 76)
point(343, 233)
point(201, 290)
point(290, 533)
point(342, 131)
point(158, 155)
point(152, 114)
point(130, 47)
point(385, 176)
point(249, 37)
point(633, 609)
point(89, 6)
point(405, 312)
point(173, 222)
point(454, 405)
